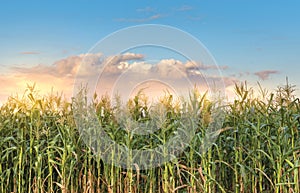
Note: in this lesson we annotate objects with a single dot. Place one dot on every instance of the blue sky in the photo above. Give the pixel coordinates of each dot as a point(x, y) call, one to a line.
point(247, 36)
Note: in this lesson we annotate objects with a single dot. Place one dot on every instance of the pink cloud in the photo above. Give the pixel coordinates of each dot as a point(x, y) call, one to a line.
point(264, 75)
point(29, 53)
point(71, 65)
point(129, 69)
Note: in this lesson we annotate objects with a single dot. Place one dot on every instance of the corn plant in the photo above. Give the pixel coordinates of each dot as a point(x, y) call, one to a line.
point(257, 148)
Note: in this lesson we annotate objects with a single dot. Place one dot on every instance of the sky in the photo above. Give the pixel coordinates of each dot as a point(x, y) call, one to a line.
point(46, 42)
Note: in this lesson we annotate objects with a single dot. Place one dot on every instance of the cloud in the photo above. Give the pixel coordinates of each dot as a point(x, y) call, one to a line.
point(193, 65)
point(146, 9)
point(29, 53)
point(184, 8)
point(170, 68)
point(119, 72)
point(242, 74)
point(113, 65)
point(87, 65)
point(167, 68)
point(130, 56)
point(264, 75)
point(141, 20)
point(91, 64)
point(61, 68)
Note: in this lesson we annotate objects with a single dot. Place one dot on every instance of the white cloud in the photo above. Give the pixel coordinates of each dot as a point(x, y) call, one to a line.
point(184, 8)
point(146, 9)
point(141, 20)
point(170, 68)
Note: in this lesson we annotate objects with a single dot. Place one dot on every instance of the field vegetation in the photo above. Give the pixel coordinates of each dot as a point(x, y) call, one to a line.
point(257, 149)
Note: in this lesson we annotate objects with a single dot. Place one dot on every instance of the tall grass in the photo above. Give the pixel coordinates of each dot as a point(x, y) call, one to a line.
point(258, 149)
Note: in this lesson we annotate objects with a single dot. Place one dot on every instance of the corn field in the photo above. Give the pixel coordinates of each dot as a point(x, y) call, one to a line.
point(258, 149)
